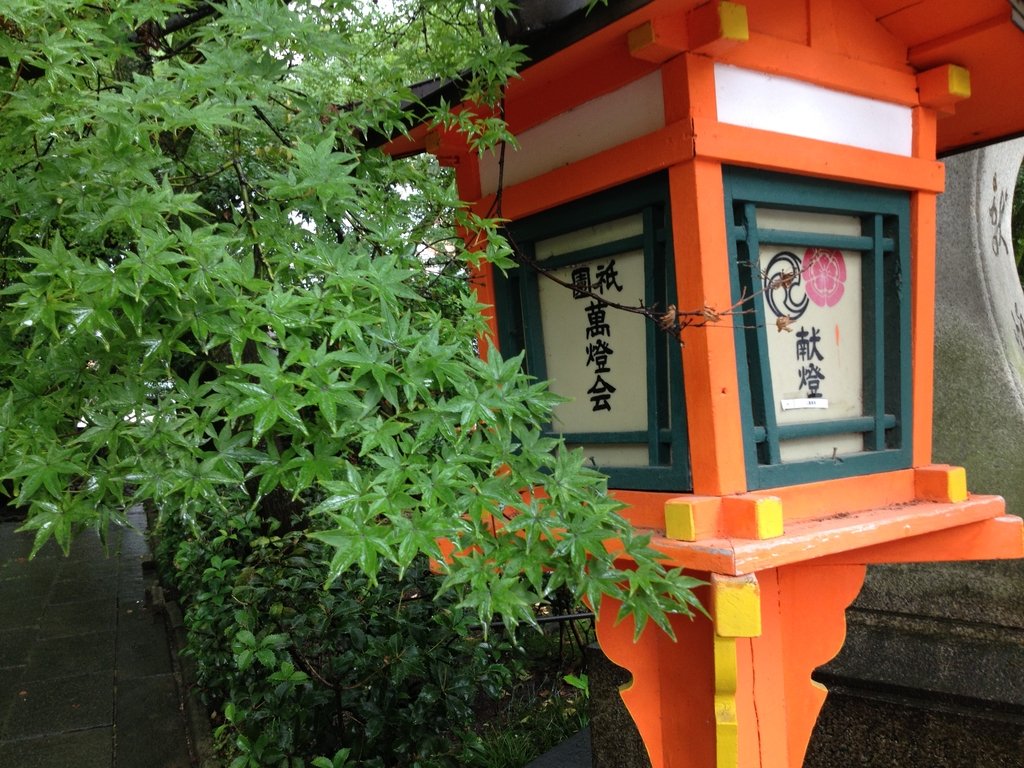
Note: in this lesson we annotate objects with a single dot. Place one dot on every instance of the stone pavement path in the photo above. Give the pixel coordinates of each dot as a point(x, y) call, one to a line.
point(86, 674)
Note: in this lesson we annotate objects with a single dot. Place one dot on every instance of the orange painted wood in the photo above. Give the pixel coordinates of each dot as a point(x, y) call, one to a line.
point(781, 57)
point(467, 175)
point(646, 509)
point(998, 538)
point(671, 696)
point(848, 494)
point(922, 269)
point(632, 160)
point(658, 40)
point(709, 352)
point(709, 32)
point(808, 539)
point(919, 23)
point(924, 140)
point(940, 482)
point(594, 66)
point(811, 608)
point(822, 26)
point(411, 143)
point(936, 88)
point(482, 280)
point(538, 96)
point(791, 154)
point(857, 34)
point(802, 606)
point(761, 702)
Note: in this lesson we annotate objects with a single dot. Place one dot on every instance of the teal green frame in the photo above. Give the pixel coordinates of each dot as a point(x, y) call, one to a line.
point(517, 308)
point(885, 248)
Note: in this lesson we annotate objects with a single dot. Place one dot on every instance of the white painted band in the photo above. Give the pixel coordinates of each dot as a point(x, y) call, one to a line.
point(797, 108)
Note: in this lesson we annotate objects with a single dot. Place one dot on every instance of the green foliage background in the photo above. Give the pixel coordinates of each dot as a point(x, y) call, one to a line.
point(215, 299)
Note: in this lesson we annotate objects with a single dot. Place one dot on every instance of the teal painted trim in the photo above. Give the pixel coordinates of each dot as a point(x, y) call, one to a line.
point(877, 402)
point(533, 330)
point(611, 248)
point(794, 237)
point(655, 358)
point(797, 472)
point(863, 424)
point(815, 195)
point(666, 436)
point(887, 385)
point(507, 305)
point(811, 239)
point(646, 478)
point(899, 358)
point(615, 203)
point(765, 405)
point(740, 277)
point(673, 412)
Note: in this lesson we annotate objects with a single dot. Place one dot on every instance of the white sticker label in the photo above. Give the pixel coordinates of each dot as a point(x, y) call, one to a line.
point(803, 403)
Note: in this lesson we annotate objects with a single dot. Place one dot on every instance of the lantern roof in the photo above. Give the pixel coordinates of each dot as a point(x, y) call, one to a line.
point(984, 36)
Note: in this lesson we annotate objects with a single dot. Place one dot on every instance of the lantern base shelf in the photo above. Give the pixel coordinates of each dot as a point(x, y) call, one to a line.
point(734, 689)
point(900, 526)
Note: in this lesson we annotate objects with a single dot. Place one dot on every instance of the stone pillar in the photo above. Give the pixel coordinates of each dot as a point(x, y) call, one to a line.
point(932, 672)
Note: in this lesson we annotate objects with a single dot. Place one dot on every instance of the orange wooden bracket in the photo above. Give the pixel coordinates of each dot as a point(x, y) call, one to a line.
point(448, 146)
point(709, 29)
point(716, 27)
point(735, 689)
point(744, 516)
point(940, 482)
point(941, 88)
point(658, 40)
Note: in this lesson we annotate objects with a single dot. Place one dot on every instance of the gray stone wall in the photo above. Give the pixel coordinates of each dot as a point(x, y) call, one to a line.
point(979, 319)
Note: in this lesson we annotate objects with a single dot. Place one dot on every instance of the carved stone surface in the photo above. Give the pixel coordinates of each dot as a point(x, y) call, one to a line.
point(932, 672)
point(979, 319)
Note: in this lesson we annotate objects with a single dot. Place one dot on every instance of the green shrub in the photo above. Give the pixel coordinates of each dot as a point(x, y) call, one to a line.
point(385, 671)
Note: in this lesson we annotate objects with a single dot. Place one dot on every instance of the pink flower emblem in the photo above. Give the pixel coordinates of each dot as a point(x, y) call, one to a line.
point(824, 273)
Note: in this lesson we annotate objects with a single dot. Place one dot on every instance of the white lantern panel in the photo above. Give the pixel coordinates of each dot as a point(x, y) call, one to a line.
point(596, 355)
point(812, 300)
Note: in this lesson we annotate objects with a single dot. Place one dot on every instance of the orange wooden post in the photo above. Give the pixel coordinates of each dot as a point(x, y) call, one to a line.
point(741, 680)
point(664, 92)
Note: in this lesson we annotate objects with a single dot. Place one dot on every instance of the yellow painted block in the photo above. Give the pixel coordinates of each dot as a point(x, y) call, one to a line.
point(959, 81)
point(690, 518)
point(736, 605)
point(956, 484)
point(733, 20)
point(727, 734)
point(726, 668)
point(726, 716)
point(679, 521)
point(768, 517)
point(641, 36)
